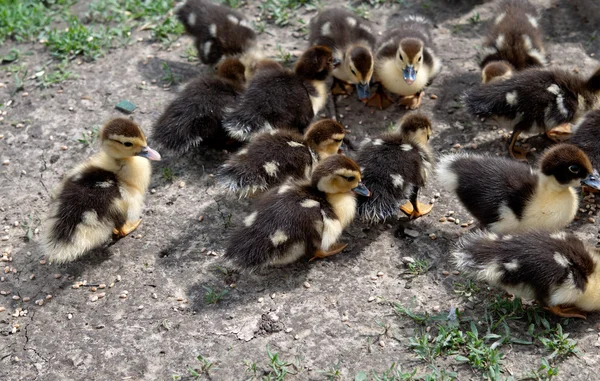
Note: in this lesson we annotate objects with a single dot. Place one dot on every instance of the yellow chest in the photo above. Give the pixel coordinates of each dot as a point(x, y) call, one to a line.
point(318, 101)
point(344, 206)
point(392, 79)
point(550, 209)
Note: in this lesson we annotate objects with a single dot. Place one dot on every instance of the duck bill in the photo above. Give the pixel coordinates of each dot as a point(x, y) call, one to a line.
point(409, 74)
point(592, 181)
point(336, 62)
point(149, 154)
point(362, 190)
point(363, 90)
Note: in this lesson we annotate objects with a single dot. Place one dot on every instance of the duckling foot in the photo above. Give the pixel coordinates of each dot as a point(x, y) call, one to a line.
point(380, 100)
point(127, 228)
point(324, 254)
point(411, 102)
point(421, 210)
point(341, 88)
point(567, 312)
point(560, 133)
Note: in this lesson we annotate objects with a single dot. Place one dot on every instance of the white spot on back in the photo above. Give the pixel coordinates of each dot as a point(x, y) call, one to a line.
point(206, 48)
point(512, 265)
point(560, 103)
point(532, 20)
point(500, 18)
point(278, 237)
point(292, 143)
point(500, 41)
point(554, 89)
point(561, 259)
point(249, 220)
point(511, 98)
point(351, 21)
point(527, 42)
point(243, 151)
point(105, 184)
point(539, 56)
point(326, 29)
point(377, 142)
point(271, 168)
point(283, 189)
point(397, 180)
point(233, 19)
point(192, 19)
point(406, 147)
point(212, 29)
point(366, 28)
point(89, 217)
point(559, 235)
point(308, 203)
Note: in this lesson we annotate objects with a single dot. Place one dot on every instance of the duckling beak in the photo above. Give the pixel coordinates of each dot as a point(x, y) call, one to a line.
point(592, 181)
point(149, 153)
point(362, 190)
point(336, 62)
point(410, 75)
point(363, 90)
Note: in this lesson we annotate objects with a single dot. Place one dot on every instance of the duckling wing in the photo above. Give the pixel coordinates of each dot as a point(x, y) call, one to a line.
point(338, 28)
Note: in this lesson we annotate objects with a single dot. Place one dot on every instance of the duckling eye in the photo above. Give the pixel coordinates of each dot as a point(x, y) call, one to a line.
point(338, 140)
point(420, 59)
point(127, 144)
point(574, 168)
point(353, 72)
point(350, 178)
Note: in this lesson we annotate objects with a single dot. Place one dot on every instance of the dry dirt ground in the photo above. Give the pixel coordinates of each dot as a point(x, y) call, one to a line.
point(318, 314)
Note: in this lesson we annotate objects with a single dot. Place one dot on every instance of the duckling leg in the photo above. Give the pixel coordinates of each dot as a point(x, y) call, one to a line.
point(341, 88)
point(560, 133)
point(414, 208)
point(127, 228)
point(412, 102)
point(380, 99)
point(334, 250)
point(567, 312)
point(516, 152)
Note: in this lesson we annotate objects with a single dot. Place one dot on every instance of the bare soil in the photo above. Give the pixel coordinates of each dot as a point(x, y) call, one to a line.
point(321, 312)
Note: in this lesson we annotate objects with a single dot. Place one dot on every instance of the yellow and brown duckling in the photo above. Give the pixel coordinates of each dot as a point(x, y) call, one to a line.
point(195, 117)
point(102, 196)
point(556, 269)
point(535, 100)
point(283, 99)
point(218, 30)
point(302, 218)
point(405, 61)
point(586, 136)
point(514, 41)
point(507, 196)
point(351, 40)
point(272, 158)
point(395, 166)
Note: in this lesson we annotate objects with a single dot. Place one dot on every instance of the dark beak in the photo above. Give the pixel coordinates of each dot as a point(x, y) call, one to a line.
point(592, 181)
point(362, 190)
point(363, 90)
point(409, 74)
point(336, 62)
point(149, 154)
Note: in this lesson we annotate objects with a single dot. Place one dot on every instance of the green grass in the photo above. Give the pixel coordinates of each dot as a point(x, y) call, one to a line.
point(283, 55)
point(76, 40)
point(23, 20)
point(475, 19)
point(89, 137)
point(362, 11)
point(418, 267)
point(277, 369)
point(169, 78)
point(213, 296)
point(467, 289)
point(281, 12)
point(168, 174)
point(53, 75)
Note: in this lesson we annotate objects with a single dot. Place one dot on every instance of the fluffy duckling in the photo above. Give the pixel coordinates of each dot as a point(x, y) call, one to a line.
point(587, 135)
point(496, 71)
point(405, 62)
point(508, 196)
point(283, 99)
point(351, 40)
point(514, 40)
point(301, 218)
point(394, 167)
point(218, 30)
point(556, 269)
point(195, 116)
point(272, 158)
point(535, 100)
point(102, 196)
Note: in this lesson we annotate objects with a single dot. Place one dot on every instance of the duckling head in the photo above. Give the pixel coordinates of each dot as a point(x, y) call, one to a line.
point(325, 137)
point(569, 166)
point(360, 64)
point(496, 71)
point(416, 127)
point(316, 63)
point(409, 58)
point(234, 70)
point(122, 138)
point(338, 174)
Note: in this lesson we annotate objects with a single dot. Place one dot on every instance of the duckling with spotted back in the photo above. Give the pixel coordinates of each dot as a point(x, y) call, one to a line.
point(508, 196)
point(282, 155)
point(195, 117)
point(395, 166)
point(102, 196)
point(351, 40)
point(283, 99)
point(405, 62)
point(302, 218)
point(535, 100)
point(557, 269)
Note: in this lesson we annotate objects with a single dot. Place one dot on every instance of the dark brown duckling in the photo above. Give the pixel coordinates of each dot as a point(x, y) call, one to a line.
point(535, 100)
point(195, 117)
point(395, 166)
point(282, 155)
point(302, 218)
point(283, 99)
point(586, 136)
point(556, 269)
point(496, 71)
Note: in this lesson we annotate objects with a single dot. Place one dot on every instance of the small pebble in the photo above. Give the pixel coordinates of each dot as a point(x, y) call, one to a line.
point(432, 236)
point(123, 296)
point(26, 299)
point(200, 218)
point(451, 219)
point(464, 225)
point(43, 262)
point(443, 219)
point(94, 298)
point(101, 295)
point(261, 300)
point(6, 162)
point(2, 309)
point(455, 272)
point(288, 330)
point(93, 289)
point(57, 276)
point(69, 316)
point(437, 195)
point(101, 286)
point(451, 212)
point(406, 260)
point(32, 277)
point(306, 285)
point(446, 273)
point(118, 278)
point(75, 286)
point(380, 274)
point(16, 297)
point(433, 96)
point(182, 184)
point(371, 298)
point(382, 343)
point(591, 220)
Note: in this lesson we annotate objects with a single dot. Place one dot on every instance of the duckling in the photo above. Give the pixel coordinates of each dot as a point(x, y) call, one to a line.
point(405, 61)
point(557, 269)
point(514, 39)
point(272, 158)
point(218, 30)
point(535, 100)
point(394, 167)
point(586, 136)
point(102, 196)
point(195, 116)
point(496, 71)
point(351, 40)
point(508, 196)
point(283, 99)
point(305, 217)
